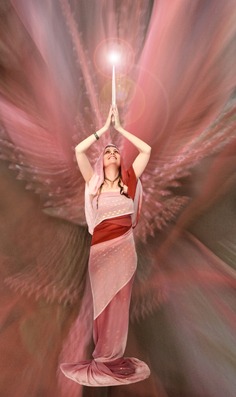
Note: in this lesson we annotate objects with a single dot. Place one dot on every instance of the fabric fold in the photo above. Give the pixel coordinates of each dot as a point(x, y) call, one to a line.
point(112, 264)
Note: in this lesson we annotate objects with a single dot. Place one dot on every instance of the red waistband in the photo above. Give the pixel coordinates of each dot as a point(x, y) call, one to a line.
point(111, 228)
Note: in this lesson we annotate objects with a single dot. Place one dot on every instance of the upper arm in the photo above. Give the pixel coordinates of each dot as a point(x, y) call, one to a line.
point(84, 165)
point(140, 163)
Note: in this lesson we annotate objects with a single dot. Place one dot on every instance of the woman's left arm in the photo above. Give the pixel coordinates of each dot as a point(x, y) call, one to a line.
point(144, 149)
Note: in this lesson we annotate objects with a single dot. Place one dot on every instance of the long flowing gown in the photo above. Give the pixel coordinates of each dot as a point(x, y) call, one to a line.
point(112, 264)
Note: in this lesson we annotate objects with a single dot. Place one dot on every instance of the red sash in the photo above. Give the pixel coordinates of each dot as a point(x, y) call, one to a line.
point(111, 228)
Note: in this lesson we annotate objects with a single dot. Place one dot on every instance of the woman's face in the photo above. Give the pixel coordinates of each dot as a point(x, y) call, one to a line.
point(111, 155)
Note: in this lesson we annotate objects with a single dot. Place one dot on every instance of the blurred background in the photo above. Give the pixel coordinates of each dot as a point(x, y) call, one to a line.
point(175, 84)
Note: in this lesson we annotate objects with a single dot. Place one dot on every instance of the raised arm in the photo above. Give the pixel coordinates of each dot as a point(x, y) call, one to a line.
point(144, 149)
point(83, 162)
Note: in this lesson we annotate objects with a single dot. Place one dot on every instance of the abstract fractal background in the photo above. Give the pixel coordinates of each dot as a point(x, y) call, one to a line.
point(175, 89)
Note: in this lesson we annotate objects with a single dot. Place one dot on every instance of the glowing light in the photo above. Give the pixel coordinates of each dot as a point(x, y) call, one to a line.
point(108, 56)
point(114, 51)
point(113, 100)
point(114, 57)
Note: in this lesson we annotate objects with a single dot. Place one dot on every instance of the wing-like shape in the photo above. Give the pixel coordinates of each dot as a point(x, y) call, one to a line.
point(166, 191)
point(52, 98)
point(53, 93)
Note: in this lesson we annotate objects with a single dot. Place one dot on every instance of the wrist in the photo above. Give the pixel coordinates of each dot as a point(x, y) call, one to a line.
point(96, 135)
point(101, 131)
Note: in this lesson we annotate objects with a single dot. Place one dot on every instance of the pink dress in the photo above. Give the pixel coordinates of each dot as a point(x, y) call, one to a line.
point(112, 264)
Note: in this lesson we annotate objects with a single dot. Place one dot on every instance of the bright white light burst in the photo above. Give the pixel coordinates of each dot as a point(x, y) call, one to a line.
point(114, 57)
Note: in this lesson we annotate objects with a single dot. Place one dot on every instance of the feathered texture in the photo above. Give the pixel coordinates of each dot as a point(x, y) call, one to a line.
point(175, 89)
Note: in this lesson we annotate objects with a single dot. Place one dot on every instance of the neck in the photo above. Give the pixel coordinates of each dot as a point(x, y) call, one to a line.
point(111, 177)
point(111, 173)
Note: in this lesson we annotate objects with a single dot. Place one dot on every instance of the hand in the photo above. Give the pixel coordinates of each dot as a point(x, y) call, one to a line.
point(109, 119)
point(115, 115)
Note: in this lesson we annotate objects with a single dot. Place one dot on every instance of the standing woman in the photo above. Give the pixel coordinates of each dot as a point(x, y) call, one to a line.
point(112, 203)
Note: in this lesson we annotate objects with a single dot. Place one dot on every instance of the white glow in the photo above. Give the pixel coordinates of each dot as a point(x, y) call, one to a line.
point(113, 86)
point(114, 57)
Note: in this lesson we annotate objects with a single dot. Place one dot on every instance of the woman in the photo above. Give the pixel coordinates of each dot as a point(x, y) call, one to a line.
point(112, 198)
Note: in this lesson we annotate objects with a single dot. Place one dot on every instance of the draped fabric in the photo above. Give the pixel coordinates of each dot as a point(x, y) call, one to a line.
point(109, 367)
point(133, 187)
point(112, 264)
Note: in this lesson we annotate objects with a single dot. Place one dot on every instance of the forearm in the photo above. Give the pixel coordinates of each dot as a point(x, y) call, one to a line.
point(142, 146)
point(87, 142)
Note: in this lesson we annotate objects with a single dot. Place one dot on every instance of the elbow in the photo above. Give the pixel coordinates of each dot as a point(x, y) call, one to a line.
point(148, 149)
point(78, 149)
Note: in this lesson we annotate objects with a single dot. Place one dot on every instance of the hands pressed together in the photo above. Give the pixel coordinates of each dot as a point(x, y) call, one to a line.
point(113, 117)
point(140, 161)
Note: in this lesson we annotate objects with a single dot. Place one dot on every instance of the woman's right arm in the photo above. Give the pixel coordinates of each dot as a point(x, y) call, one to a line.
point(83, 162)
